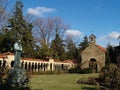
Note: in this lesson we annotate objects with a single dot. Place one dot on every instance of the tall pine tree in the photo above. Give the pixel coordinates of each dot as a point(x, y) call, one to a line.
point(84, 43)
point(110, 57)
point(20, 30)
point(57, 47)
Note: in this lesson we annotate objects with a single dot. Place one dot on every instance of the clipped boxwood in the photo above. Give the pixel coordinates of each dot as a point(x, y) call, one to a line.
point(74, 70)
point(86, 71)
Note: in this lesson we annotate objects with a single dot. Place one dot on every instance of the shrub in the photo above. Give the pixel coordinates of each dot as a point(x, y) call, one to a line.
point(111, 77)
point(80, 71)
point(86, 71)
point(74, 70)
point(3, 75)
point(107, 67)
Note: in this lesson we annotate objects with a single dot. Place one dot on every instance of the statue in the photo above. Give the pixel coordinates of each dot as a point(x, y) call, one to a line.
point(18, 51)
point(17, 75)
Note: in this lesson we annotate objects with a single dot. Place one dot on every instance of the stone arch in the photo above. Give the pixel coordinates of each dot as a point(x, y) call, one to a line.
point(93, 64)
point(4, 63)
point(12, 63)
point(0, 63)
point(29, 66)
point(62, 66)
point(36, 66)
point(47, 65)
point(51, 66)
point(33, 66)
point(41, 66)
point(55, 66)
point(26, 66)
point(22, 64)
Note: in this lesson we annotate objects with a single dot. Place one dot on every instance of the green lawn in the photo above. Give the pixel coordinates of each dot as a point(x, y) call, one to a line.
point(60, 82)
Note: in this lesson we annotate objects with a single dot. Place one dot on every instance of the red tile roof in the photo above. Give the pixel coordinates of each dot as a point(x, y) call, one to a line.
point(65, 61)
point(8, 53)
point(2, 56)
point(33, 59)
point(68, 61)
point(101, 48)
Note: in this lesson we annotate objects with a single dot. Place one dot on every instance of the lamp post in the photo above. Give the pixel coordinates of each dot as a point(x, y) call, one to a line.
point(17, 76)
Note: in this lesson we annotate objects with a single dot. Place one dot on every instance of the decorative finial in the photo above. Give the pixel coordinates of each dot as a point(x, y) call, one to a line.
point(92, 31)
point(19, 4)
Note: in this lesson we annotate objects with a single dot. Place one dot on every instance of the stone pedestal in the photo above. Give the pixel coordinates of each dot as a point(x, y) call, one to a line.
point(17, 77)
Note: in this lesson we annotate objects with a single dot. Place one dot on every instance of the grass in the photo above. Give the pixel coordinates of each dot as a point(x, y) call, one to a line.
point(60, 82)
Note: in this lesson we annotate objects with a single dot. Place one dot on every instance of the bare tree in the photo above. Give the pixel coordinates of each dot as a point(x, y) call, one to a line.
point(42, 31)
point(3, 13)
point(46, 28)
point(59, 26)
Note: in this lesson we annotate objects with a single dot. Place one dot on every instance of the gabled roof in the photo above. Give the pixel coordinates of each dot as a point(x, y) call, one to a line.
point(3, 55)
point(101, 48)
point(7, 53)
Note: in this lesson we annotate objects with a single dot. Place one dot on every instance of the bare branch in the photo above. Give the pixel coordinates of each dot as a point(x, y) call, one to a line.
point(46, 28)
point(3, 13)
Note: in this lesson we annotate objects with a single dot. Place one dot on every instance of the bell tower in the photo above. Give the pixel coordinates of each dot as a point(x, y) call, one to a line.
point(92, 39)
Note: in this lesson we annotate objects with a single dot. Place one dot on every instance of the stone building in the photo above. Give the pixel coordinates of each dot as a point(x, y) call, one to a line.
point(93, 56)
point(33, 64)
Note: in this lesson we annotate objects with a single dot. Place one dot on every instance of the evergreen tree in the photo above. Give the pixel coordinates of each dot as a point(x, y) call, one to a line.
point(81, 47)
point(84, 43)
point(5, 42)
point(57, 47)
point(20, 30)
point(111, 54)
point(71, 47)
point(44, 51)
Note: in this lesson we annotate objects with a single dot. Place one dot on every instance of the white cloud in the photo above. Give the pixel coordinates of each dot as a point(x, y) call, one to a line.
point(39, 11)
point(110, 38)
point(73, 33)
point(114, 35)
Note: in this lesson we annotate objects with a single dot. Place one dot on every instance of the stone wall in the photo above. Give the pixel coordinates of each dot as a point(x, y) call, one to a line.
point(92, 52)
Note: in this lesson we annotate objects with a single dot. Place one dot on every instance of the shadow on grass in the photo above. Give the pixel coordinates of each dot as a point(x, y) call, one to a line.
point(91, 88)
point(14, 88)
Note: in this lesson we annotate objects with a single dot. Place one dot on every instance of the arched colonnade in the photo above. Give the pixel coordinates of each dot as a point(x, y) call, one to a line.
point(38, 65)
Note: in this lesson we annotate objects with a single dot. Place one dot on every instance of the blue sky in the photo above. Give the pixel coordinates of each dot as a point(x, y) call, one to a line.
point(100, 17)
